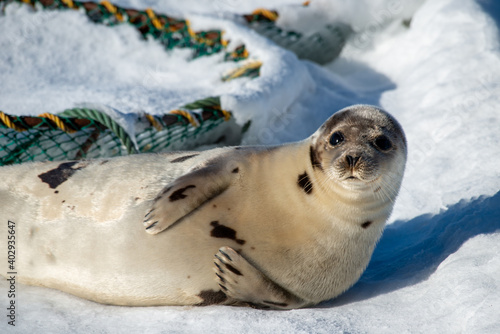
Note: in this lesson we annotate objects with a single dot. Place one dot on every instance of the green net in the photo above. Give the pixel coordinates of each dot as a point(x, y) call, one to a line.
point(170, 32)
point(321, 46)
point(88, 133)
point(173, 137)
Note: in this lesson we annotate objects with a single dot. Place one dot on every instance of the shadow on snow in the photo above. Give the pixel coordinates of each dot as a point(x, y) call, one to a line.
point(410, 251)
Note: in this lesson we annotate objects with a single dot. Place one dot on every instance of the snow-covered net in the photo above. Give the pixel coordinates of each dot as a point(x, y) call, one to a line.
point(87, 133)
point(90, 133)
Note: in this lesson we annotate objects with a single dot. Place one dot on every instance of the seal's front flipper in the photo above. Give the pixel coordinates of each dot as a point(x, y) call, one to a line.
point(184, 195)
point(243, 282)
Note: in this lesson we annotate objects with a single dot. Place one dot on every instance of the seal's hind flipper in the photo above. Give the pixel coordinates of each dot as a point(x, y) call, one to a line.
point(242, 282)
point(184, 195)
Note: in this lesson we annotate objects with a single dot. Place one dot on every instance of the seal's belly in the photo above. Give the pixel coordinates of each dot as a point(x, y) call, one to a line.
point(86, 237)
point(117, 262)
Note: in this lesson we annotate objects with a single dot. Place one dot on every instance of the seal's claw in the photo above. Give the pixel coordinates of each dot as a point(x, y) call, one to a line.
point(184, 195)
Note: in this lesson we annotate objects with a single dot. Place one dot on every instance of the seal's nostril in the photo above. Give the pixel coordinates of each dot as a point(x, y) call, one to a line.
point(351, 160)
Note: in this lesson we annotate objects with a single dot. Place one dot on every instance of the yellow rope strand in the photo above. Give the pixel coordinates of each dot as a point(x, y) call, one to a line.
point(190, 31)
point(113, 10)
point(223, 41)
point(236, 73)
point(245, 54)
point(7, 121)
point(154, 122)
point(69, 3)
point(58, 121)
point(154, 19)
point(266, 13)
point(194, 122)
point(227, 114)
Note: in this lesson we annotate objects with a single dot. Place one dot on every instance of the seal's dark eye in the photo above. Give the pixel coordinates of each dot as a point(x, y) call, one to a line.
point(336, 138)
point(383, 143)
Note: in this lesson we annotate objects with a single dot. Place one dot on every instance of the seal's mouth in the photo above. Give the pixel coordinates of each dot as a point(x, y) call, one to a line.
point(351, 175)
point(352, 179)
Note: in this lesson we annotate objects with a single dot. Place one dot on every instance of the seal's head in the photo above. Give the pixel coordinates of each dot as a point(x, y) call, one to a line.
point(360, 147)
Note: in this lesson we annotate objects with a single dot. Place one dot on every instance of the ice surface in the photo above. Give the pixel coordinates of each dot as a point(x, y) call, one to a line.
point(436, 268)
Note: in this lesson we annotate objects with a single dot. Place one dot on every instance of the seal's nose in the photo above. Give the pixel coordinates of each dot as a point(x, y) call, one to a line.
point(351, 161)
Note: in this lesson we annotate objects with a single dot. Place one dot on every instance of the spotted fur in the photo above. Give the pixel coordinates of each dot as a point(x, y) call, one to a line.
point(179, 193)
point(211, 297)
point(366, 224)
point(57, 176)
point(305, 183)
point(221, 231)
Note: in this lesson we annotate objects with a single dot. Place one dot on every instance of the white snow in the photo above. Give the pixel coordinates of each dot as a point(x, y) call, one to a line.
point(436, 268)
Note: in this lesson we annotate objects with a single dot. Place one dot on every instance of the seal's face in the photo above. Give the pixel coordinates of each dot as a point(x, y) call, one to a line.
point(360, 146)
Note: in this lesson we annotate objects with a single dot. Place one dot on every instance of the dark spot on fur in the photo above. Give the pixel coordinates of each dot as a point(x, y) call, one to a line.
point(178, 194)
point(233, 269)
point(55, 177)
point(252, 248)
point(166, 190)
point(104, 162)
point(56, 192)
point(211, 297)
point(221, 231)
point(366, 224)
point(314, 156)
point(189, 277)
point(274, 303)
point(63, 201)
point(137, 198)
point(305, 183)
point(377, 190)
point(236, 170)
point(184, 158)
point(214, 206)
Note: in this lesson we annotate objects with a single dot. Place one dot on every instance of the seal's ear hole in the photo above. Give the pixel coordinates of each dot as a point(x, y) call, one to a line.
point(383, 143)
point(336, 138)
